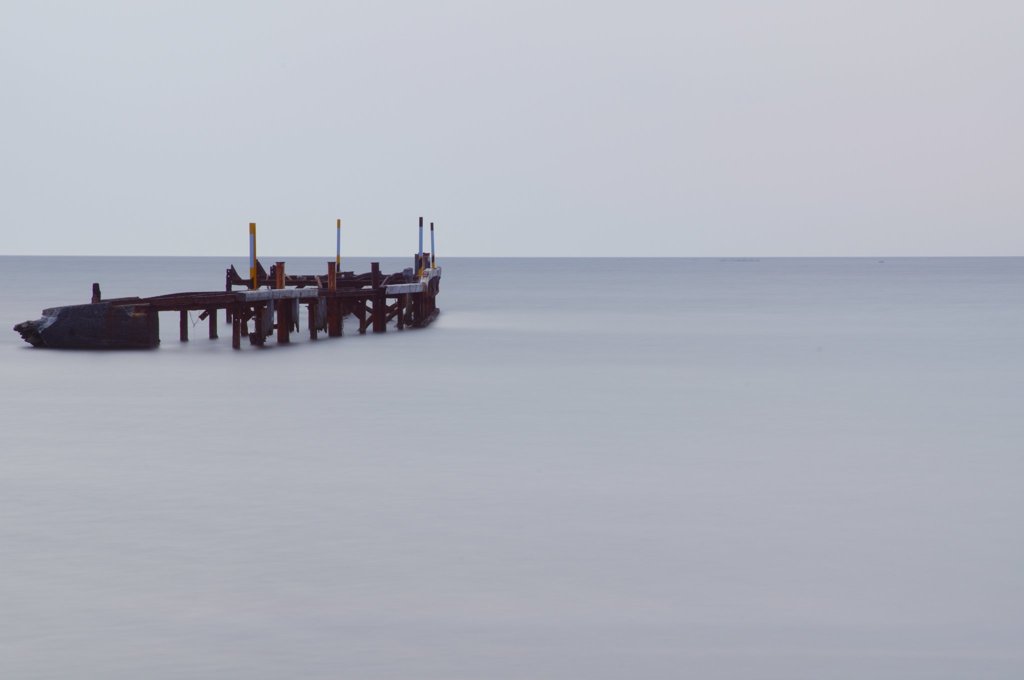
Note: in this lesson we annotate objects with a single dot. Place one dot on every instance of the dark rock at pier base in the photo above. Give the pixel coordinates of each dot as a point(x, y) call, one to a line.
point(102, 325)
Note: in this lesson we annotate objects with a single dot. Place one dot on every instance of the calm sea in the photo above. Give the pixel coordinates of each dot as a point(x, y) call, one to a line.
point(663, 468)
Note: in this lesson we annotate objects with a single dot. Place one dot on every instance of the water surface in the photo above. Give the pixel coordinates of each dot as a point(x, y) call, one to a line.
point(805, 468)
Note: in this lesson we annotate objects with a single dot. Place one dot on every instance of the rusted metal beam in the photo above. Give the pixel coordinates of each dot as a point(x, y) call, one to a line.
point(233, 278)
point(392, 312)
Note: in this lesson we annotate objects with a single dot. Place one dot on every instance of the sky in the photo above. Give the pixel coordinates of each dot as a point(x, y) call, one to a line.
point(785, 128)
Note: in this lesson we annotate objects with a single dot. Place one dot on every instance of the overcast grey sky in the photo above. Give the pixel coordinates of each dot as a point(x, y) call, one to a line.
point(522, 128)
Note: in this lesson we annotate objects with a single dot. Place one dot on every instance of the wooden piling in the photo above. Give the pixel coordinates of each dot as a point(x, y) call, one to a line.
point(243, 315)
point(213, 323)
point(361, 315)
point(333, 304)
point(228, 313)
point(96, 293)
point(183, 325)
point(311, 318)
point(380, 313)
point(284, 321)
point(257, 337)
point(236, 328)
point(380, 309)
point(284, 307)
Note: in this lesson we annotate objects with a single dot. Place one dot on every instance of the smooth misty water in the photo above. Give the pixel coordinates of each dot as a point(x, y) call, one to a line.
point(585, 469)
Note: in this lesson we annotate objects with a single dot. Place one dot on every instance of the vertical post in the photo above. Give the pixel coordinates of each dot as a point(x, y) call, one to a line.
point(433, 260)
point(213, 323)
point(236, 328)
point(378, 314)
point(252, 256)
point(279, 275)
point(96, 293)
point(227, 289)
point(419, 260)
point(284, 321)
point(183, 325)
point(333, 313)
point(361, 314)
point(311, 318)
point(337, 247)
point(400, 306)
point(258, 312)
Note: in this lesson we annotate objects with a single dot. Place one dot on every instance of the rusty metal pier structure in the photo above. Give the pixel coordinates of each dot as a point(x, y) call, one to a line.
point(274, 303)
point(268, 304)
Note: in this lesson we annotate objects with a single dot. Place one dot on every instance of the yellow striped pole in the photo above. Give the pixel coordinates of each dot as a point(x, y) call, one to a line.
point(337, 247)
point(252, 255)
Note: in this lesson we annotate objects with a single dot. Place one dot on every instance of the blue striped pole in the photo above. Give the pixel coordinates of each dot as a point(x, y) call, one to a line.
point(433, 257)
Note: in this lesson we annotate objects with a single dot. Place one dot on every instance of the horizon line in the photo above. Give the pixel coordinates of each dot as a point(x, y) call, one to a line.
point(244, 256)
